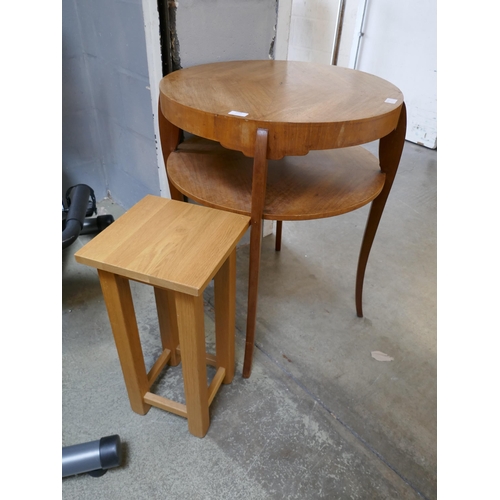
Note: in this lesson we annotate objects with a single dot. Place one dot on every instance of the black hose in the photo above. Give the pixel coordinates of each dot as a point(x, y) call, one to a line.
point(76, 214)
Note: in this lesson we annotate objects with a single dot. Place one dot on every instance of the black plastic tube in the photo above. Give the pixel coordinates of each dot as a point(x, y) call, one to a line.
point(76, 214)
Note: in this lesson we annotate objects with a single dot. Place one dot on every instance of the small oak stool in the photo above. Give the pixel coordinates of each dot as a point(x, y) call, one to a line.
point(177, 248)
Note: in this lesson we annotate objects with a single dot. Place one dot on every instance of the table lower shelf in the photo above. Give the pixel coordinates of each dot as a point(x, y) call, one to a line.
point(317, 185)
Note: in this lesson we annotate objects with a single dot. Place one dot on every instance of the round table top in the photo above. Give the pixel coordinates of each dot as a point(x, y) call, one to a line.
point(304, 106)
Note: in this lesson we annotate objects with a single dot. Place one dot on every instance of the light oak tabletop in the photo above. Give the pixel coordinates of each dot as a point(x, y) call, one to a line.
point(166, 243)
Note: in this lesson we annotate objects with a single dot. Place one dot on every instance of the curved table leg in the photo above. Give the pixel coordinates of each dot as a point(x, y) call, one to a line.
point(169, 139)
point(175, 194)
point(390, 150)
point(259, 179)
point(279, 229)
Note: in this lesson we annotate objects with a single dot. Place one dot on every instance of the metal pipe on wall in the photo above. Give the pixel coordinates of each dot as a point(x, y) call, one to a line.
point(360, 35)
point(338, 32)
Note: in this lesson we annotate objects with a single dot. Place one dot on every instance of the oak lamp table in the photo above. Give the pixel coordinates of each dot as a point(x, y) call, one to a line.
point(280, 140)
point(177, 248)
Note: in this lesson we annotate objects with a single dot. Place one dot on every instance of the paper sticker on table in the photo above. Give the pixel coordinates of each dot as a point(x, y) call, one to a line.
point(237, 113)
point(391, 101)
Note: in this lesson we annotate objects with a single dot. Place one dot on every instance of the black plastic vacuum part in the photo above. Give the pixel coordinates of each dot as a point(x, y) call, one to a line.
point(77, 211)
point(96, 224)
point(94, 458)
point(82, 204)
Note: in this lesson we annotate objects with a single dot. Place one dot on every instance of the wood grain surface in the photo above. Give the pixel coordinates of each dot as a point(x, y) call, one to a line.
point(166, 243)
point(320, 184)
point(304, 106)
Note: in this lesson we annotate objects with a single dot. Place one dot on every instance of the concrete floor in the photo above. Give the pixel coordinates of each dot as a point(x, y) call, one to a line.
point(319, 417)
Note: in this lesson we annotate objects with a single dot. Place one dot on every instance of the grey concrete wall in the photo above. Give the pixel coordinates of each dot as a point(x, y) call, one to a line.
point(108, 135)
point(81, 151)
point(224, 30)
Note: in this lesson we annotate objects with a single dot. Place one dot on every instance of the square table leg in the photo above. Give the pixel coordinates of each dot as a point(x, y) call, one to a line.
point(118, 299)
point(190, 320)
point(225, 316)
point(167, 322)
